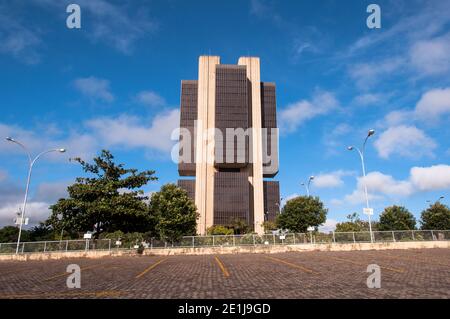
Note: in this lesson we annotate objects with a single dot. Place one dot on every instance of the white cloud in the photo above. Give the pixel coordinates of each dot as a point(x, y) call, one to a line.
point(130, 132)
point(329, 226)
point(368, 74)
point(330, 180)
point(35, 211)
point(150, 98)
point(295, 114)
point(404, 140)
point(379, 185)
point(94, 88)
point(434, 103)
point(435, 177)
point(17, 39)
point(117, 25)
point(367, 99)
point(431, 57)
point(51, 192)
point(385, 184)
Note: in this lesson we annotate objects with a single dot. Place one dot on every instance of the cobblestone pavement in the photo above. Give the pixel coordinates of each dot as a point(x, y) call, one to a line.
point(404, 274)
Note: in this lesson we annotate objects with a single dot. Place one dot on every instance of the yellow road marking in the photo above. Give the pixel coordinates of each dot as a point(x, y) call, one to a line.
point(400, 270)
point(222, 267)
point(104, 293)
point(67, 273)
point(151, 267)
point(293, 265)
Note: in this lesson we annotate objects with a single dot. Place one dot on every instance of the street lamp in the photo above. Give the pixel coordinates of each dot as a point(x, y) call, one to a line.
point(361, 155)
point(30, 167)
point(307, 185)
point(437, 201)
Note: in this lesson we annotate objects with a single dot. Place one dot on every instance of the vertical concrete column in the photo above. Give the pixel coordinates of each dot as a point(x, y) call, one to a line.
point(204, 182)
point(253, 74)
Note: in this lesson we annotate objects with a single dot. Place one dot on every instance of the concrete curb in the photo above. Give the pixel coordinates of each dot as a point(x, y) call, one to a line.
point(219, 250)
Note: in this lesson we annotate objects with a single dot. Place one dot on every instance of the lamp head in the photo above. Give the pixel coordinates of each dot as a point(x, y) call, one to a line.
point(311, 177)
point(370, 133)
point(9, 139)
point(350, 148)
point(62, 150)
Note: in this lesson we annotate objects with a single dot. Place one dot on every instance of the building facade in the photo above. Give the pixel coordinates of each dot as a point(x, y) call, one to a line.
point(229, 144)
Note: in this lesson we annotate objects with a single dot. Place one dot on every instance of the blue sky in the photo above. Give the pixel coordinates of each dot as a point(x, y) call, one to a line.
point(115, 84)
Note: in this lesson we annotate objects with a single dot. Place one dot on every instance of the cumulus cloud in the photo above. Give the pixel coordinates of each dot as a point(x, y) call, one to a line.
point(379, 185)
point(331, 180)
point(94, 88)
point(433, 103)
point(150, 98)
point(431, 57)
point(295, 114)
point(35, 211)
point(404, 140)
point(131, 132)
point(3, 175)
point(367, 99)
point(329, 226)
point(435, 177)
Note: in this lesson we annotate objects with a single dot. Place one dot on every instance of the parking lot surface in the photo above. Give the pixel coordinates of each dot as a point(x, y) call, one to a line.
point(411, 273)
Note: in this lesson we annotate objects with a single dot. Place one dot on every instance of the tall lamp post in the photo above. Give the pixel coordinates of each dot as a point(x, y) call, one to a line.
point(361, 155)
point(30, 167)
point(438, 200)
point(307, 185)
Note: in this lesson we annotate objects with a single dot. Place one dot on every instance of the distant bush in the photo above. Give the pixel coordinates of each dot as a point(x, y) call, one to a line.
point(219, 230)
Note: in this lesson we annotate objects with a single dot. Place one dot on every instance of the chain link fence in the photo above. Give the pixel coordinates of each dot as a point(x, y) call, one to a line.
point(232, 240)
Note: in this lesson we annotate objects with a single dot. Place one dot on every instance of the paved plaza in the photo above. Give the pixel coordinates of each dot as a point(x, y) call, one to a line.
point(423, 273)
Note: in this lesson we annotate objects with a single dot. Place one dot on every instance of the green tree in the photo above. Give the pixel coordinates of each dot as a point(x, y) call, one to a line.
point(239, 226)
point(269, 226)
point(173, 213)
point(396, 218)
point(302, 212)
point(219, 230)
point(41, 232)
point(436, 217)
point(9, 234)
point(354, 224)
point(109, 200)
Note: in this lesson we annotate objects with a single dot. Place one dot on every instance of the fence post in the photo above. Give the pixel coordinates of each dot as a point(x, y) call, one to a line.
point(213, 240)
point(334, 238)
point(432, 235)
point(354, 240)
point(193, 242)
point(393, 237)
point(87, 245)
point(67, 244)
point(253, 240)
point(23, 247)
point(234, 240)
point(45, 246)
point(151, 243)
point(294, 237)
point(412, 235)
point(109, 244)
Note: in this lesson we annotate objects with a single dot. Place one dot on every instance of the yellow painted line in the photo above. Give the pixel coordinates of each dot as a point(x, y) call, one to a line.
point(151, 267)
point(415, 259)
point(293, 265)
point(104, 293)
point(400, 270)
point(67, 273)
point(222, 267)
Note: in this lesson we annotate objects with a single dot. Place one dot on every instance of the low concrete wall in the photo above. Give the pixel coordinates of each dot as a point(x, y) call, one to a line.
point(269, 249)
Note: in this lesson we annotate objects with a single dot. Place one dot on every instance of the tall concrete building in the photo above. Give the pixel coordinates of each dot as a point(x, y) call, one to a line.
point(229, 143)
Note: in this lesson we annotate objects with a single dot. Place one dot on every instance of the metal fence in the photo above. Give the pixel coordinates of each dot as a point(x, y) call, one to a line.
point(233, 240)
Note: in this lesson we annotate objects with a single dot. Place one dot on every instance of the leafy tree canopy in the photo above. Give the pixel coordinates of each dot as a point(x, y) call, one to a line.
point(396, 218)
point(354, 224)
point(219, 230)
point(173, 213)
point(437, 216)
point(107, 201)
point(302, 212)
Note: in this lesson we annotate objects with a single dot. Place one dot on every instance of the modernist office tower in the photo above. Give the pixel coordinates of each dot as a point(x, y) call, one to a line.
point(229, 142)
